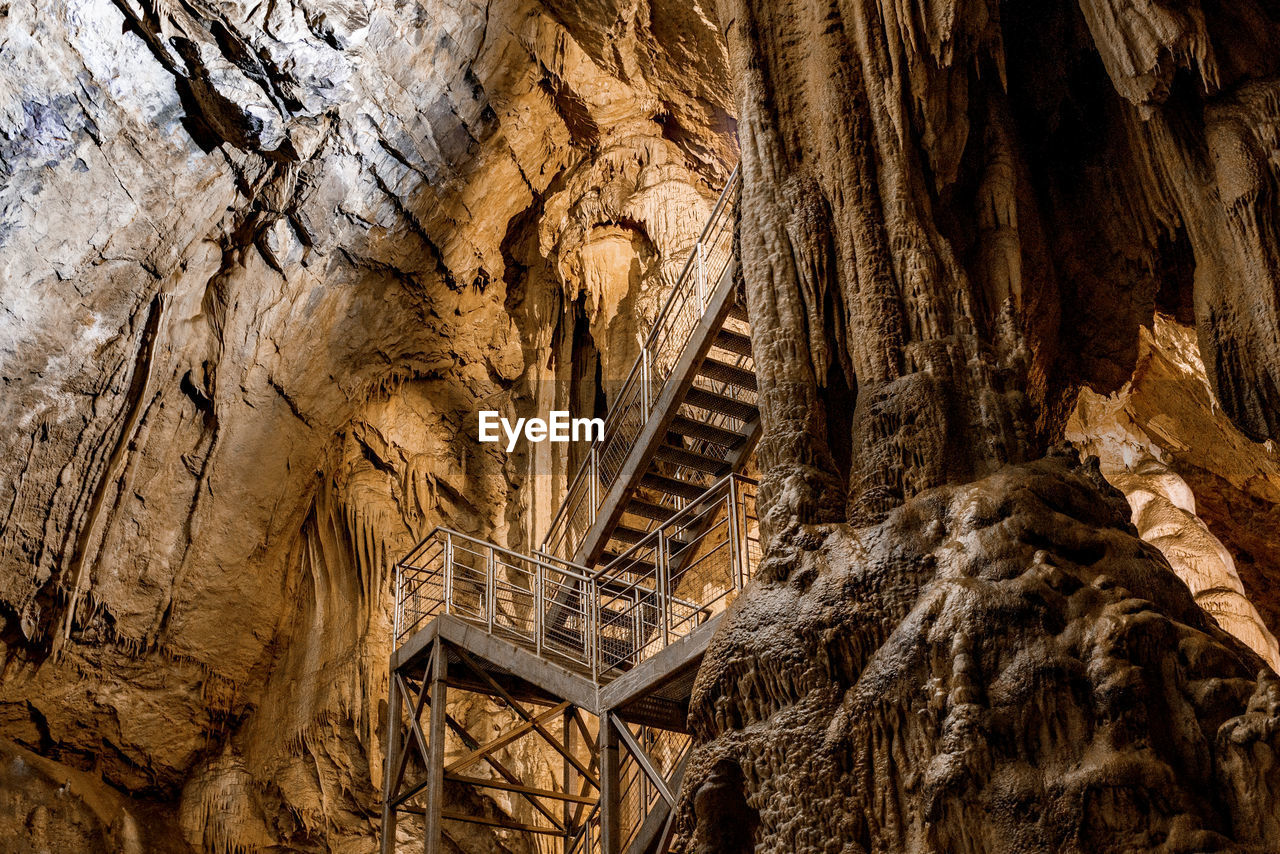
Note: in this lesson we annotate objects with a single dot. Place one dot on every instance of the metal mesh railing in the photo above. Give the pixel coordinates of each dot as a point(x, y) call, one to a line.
point(679, 317)
point(638, 794)
point(680, 575)
point(602, 622)
point(538, 602)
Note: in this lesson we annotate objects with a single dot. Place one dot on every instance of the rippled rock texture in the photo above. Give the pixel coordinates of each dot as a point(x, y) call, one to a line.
point(999, 666)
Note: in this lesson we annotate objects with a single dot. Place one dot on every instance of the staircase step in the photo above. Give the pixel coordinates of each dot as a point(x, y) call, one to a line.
point(709, 400)
point(692, 460)
point(726, 373)
point(641, 567)
point(738, 311)
point(649, 510)
point(671, 486)
point(734, 342)
point(706, 432)
point(631, 536)
point(628, 535)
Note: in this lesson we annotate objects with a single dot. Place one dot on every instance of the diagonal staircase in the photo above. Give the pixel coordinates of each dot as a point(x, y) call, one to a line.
point(685, 416)
point(590, 645)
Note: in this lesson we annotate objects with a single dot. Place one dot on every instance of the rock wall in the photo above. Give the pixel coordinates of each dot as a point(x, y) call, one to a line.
point(954, 216)
point(955, 213)
point(259, 266)
point(999, 666)
point(1158, 435)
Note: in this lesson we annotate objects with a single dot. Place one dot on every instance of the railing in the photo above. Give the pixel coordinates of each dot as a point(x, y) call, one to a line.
point(680, 575)
point(672, 329)
point(639, 793)
point(601, 622)
point(507, 593)
point(587, 839)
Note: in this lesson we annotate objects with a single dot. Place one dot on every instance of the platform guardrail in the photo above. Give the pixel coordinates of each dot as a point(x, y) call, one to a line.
point(602, 621)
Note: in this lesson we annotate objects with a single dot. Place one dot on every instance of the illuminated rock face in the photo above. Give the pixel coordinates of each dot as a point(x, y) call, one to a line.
point(1164, 513)
point(1157, 435)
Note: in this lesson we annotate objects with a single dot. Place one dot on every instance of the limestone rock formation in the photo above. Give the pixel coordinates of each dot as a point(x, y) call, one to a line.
point(999, 666)
point(260, 264)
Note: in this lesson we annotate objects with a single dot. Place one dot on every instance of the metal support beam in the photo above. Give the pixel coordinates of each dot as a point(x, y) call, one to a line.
point(610, 826)
point(493, 822)
point(434, 844)
point(415, 714)
point(566, 780)
point(520, 789)
point(532, 720)
point(470, 743)
point(645, 761)
point(514, 734)
point(389, 762)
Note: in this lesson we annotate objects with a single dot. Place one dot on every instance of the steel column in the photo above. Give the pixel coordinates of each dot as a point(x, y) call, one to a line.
point(446, 579)
point(434, 843)
point(490, 604)
point(390, 761)
point(538, 580)
point(397, 608)
point(610, 823)
point(735, 543)
point(567, 813)
point(663, 584)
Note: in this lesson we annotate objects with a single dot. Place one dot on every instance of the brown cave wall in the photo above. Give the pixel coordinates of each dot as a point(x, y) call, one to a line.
point(954, 215)
point(969, 209)
point(262, 265)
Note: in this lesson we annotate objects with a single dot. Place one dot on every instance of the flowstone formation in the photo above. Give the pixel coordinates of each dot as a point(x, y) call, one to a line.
point(954, 216)
point(998, 666)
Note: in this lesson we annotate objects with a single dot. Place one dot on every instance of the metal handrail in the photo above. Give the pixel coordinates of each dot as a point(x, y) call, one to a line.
point(645, 380)
point(695, 506)
point(539, 557)
point(604, 620)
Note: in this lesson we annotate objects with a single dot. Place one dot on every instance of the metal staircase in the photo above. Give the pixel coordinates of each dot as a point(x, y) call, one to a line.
point(589, 646)
point(685, 416)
